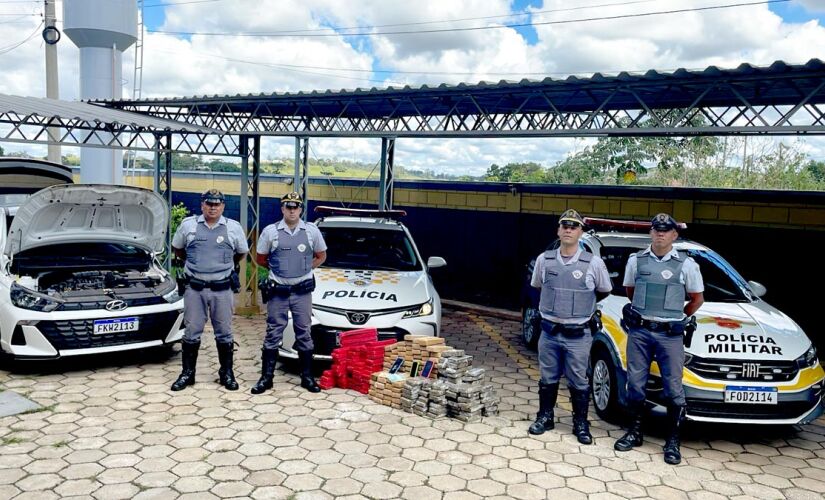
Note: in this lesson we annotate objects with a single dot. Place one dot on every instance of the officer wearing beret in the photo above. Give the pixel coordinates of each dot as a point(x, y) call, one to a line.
point(659, 281)
point(211, 246)
point(291, 249)
point(571, 280)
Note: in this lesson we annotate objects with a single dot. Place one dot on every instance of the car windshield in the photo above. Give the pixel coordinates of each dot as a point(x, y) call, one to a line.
point(722, 282)
point(374, 249)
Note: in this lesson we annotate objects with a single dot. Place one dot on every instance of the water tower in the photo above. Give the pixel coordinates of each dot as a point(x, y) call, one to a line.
point(102, 30)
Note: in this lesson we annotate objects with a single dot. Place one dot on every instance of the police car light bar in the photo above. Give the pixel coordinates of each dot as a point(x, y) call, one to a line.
point(623, 224)
point(360, 212)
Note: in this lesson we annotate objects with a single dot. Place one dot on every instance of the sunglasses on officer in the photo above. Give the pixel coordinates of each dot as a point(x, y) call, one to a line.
point(213, 203)
point(570, 225)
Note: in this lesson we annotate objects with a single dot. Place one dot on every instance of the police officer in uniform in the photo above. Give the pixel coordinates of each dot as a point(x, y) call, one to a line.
point(659, 281)
point(291, 248)
point(571, 280)
point(211, 247)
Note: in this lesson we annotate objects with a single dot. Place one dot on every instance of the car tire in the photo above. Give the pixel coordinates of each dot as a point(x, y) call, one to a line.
point(530, 327)
point(604, 386)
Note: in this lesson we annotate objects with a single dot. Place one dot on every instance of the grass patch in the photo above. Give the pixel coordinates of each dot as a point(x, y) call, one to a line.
point(60, 444)
point(7, 440)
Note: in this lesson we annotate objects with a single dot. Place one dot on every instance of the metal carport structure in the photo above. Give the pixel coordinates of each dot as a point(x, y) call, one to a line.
point(779, 99)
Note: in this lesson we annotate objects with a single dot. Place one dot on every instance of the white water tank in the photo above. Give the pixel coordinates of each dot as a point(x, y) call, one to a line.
point(102, 30)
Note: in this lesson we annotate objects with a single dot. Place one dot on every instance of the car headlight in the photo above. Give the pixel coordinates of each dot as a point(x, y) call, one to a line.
point(807, 359)
point(24, 298)
point(424, 309)
point(170, 294)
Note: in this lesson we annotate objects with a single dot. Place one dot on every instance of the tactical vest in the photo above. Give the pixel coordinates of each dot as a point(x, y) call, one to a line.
point(209, 255)
point(564, 292)
point(289, 260)
point(658, 290)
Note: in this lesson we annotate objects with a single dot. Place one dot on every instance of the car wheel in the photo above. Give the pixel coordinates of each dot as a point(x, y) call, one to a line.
point(530, 327)
point(604, 386)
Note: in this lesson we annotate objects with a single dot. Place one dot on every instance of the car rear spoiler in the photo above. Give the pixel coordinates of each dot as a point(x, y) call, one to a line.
point(360, 212)
point(623, 224)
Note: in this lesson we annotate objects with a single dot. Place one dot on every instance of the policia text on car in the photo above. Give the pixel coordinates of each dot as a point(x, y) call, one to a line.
point(571, 280)
point(291, 249)
point(658, 281)
point(211, 246)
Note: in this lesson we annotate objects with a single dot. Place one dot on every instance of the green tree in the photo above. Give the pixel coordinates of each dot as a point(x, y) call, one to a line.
point(178, 213)
point(816, 169)
point(186, 162)
point(516, 172)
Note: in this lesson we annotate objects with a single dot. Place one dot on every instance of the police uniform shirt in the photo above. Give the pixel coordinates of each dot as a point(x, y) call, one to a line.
point(596, 278)
point(188, 228)
point(690, 276)
point(268, 242)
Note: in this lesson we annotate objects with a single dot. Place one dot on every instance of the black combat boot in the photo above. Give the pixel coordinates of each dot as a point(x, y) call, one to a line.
point(269, 357)
point(633, 437)
point(547, 402)
point(581, 427)
point(225, 375)
point(675, 415)
point(307, 380)
point(188, 358)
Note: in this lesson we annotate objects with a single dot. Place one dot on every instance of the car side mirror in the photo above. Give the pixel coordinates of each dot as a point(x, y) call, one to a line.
point(434, 262)
point(757, 288)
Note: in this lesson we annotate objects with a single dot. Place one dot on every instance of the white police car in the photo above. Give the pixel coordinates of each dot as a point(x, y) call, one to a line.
point(747, 362)
point(79, 275)
point(374, 276)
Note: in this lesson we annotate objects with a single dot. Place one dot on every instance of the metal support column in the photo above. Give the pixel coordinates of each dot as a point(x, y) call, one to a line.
point(163, 185)
point(250, 221)
point(301, 181)
point(385, 185)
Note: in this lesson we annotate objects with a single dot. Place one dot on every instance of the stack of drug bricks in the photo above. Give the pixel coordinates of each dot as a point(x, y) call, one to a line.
point(458, 392)
point(361, 354)
point(385, 387)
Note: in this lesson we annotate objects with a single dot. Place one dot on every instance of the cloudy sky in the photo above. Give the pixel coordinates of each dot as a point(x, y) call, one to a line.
point(195, 47)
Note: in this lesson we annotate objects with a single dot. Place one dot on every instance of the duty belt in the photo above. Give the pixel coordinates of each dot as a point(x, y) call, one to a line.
point(270, 288)
point(216, 286)
point(632, 319)
point(565, 330)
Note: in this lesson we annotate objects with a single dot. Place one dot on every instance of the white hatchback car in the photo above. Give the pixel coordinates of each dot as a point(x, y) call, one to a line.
point(79, 273)
point(374, 276)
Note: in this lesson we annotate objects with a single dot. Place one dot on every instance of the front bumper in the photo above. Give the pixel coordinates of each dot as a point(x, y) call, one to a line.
point(703, 405)
point(55, 335)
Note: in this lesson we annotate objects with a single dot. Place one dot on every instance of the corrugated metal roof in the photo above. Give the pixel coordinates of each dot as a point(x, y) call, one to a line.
point(93, 114)
point(571, 82)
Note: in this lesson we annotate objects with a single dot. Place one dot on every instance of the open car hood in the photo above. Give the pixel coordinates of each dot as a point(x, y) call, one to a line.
point(87, 213)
